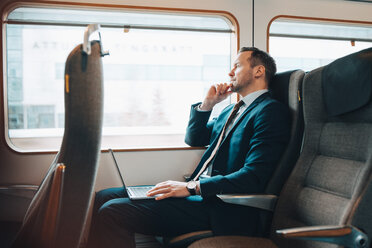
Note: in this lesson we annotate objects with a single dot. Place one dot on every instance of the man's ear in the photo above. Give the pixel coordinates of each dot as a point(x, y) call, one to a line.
point(259, 71)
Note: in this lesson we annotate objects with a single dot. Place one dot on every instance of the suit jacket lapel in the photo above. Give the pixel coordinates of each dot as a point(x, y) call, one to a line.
point(246, 111)
point(213, 144)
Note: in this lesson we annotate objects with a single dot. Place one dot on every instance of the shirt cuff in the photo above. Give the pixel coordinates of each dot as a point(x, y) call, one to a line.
point(197, 108)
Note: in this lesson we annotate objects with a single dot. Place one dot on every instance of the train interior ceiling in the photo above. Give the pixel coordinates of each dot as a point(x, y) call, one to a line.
point(163, 56)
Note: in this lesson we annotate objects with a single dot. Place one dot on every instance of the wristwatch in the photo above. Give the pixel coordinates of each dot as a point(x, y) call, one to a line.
point(191, 187)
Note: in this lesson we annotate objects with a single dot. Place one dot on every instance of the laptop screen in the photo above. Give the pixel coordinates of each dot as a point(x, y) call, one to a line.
point(117, 166)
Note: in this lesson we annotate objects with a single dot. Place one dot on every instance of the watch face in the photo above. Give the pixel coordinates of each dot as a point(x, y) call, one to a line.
point(191, 185)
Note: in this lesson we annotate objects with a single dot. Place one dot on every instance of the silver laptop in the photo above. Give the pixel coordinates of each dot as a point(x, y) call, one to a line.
point(134, 192)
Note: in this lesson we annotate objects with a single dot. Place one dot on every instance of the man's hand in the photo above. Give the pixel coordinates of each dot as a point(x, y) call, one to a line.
point(216, 94)
point(169, 189)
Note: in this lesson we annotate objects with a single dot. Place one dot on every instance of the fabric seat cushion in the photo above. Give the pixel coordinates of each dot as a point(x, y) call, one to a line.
point(233, 242)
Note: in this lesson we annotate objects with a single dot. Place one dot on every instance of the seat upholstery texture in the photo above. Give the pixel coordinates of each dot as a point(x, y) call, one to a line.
point(79, 152)
point(331, 182)
point(234, 242)
point(286, 87)
point(333, 169)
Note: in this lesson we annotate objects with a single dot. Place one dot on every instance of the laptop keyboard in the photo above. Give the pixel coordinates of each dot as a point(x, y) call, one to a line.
point(139, 191)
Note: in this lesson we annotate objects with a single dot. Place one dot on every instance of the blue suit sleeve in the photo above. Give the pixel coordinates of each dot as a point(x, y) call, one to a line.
point(199, 129)
point(269, 139)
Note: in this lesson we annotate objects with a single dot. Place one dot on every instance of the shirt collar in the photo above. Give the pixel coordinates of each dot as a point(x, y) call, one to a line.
point(248, 99)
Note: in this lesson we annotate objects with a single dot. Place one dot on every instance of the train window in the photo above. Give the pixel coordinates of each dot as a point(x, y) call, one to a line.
point(297, 43)
point(159, 64)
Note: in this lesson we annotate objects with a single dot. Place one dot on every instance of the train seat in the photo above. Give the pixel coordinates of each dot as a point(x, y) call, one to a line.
point(51, 220)
point(328, 195)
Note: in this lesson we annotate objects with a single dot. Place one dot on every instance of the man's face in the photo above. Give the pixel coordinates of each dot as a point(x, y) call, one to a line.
point(241, 74)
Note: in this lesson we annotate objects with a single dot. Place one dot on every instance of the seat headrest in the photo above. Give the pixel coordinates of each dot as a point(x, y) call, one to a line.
point(279, 86)
point(347, 82)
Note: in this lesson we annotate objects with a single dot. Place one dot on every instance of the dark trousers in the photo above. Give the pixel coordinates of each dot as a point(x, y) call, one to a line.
point(116, 218)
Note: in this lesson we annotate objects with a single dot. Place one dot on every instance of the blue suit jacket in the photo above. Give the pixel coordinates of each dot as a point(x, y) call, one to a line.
point(249, 152)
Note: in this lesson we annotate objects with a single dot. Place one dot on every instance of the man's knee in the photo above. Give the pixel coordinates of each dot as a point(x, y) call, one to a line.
point(113, 211)
point(102, 196)
point(110, 229)
point(130, 216)
point(105, 214)
point(106, 195)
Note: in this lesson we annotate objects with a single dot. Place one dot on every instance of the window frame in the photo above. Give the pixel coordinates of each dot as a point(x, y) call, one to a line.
point(309, 19)
point(229, 18)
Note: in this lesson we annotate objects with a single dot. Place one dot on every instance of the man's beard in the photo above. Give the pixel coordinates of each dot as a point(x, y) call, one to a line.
point(237, 87)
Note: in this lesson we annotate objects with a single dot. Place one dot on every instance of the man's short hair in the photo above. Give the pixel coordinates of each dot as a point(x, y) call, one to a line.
point(259, 57)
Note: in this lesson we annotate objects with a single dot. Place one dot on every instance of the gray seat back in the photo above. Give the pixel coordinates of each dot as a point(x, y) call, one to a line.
point(79, 151)
point(286, 88)
point(331, 176)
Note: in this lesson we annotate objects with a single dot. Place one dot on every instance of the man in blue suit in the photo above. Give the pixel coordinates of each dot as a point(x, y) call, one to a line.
point(245, 145)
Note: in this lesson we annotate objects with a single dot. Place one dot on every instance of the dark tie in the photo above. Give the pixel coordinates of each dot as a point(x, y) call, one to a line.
point(228, 122)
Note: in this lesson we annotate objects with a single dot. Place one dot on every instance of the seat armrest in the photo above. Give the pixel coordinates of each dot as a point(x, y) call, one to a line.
point(348, 236)
point(266, 202)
